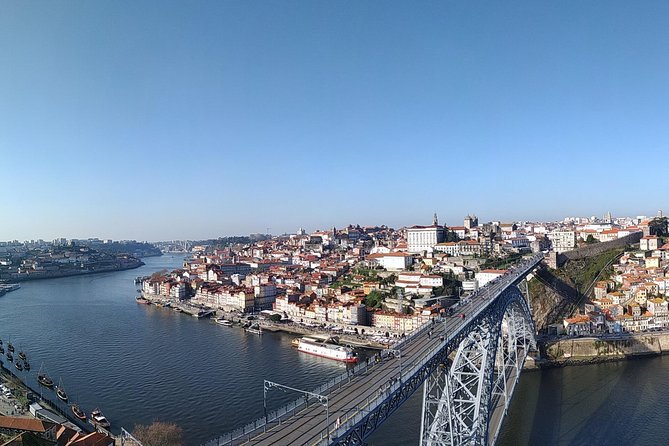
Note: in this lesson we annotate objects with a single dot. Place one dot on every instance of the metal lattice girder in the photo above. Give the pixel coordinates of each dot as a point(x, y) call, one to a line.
point(465, 403)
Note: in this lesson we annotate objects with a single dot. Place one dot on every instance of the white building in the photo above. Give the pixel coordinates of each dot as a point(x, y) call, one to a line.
point(423, 238)
point(486, 275)
point(562, 240)
point(392, 261)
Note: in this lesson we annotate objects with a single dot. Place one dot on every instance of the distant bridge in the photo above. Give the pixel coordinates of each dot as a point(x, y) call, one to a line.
point(470, 364)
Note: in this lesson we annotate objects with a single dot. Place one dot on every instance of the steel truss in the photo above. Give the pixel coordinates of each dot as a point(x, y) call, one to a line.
point(465, 401)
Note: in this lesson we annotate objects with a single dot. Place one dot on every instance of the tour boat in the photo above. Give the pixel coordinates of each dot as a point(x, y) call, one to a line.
point(99, 420)
point(80, 414)
point(326, 349)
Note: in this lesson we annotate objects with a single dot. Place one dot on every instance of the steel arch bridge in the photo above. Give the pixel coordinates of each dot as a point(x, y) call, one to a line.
point(469, 364)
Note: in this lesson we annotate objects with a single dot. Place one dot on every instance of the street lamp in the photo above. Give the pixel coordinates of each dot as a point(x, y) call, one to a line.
point(322, 399)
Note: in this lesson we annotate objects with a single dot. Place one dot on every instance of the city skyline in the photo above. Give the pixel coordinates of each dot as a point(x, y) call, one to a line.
point(127, 120)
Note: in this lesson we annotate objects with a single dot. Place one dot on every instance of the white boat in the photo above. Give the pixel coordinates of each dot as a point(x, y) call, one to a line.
point(326, 349)
point(254, 328)
point(99, 420)
point(224, 322)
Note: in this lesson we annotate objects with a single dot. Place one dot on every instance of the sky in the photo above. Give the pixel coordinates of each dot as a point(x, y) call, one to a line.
point(158, 120)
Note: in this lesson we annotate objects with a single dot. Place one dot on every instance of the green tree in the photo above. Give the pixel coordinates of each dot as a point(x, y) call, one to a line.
point(590, 240)
point(374, 299)
point(275, 318)
point(659, 226)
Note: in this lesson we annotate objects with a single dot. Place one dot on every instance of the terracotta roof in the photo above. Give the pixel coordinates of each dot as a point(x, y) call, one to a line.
point(25, 424)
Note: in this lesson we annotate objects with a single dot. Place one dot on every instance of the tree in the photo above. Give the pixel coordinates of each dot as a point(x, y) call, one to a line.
point(374, 299)
point(659, 226)
point(590, 240)
point(275, 318)
point(159, 433)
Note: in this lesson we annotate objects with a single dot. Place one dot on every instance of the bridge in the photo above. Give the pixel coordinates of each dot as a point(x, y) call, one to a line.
point(468, 362)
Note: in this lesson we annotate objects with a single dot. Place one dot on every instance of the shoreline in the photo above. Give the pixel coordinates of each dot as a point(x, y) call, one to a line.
point(356, 341)
point(75, 273)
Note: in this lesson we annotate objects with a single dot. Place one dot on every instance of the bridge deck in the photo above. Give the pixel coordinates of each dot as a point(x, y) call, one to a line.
point(365, 391)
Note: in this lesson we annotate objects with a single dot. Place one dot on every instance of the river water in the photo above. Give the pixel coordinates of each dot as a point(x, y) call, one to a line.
point(141, 363)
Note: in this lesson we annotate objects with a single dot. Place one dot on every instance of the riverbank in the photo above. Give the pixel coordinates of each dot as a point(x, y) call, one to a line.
point(58, 274)
point(597, 350)
point(293, 328)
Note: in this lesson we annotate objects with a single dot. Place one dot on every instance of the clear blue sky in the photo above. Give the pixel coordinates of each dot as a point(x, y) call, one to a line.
point(193, 119)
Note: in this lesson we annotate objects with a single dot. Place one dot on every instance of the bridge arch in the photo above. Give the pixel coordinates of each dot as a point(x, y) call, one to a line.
point(466, 398)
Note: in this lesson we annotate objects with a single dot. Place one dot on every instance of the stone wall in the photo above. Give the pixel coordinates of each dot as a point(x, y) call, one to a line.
point(591, 348)
point(598, 248)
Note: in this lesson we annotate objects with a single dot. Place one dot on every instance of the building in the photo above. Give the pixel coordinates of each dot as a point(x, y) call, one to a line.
point(392, 261)
point(423, 238)
point(649, 243)
point(486, 275)
point(562, 240)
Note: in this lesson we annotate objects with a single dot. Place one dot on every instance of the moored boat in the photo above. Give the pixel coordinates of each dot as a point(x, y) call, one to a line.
point(22, 355)
point(10, 347)
point(43, 378)
point(224, 322)
point(99, 420)
point(142, 300)
point(2, 350)
point(10, 357)
point(26, 365)
point(326, 349)
point(18, 365)
point(255, 329)
point(60, 391)
point(80, 414)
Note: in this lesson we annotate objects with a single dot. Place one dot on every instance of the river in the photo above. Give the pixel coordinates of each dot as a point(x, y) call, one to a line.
point(141, 363)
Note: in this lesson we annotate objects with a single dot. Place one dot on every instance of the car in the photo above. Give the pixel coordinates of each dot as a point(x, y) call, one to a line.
point(462, 315)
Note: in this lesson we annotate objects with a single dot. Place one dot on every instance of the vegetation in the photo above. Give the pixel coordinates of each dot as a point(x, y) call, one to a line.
point(451, 236)
point(659, 226)
point(275, 318)
point(374, 299)
point(591, 240)
point(501, 263)
point(159, 433)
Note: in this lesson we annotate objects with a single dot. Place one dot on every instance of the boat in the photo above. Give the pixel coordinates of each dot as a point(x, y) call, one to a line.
point(99, 420)
point(10, 347)
point(22, 355)
point(18, 366)
point(2, 350)
point(80, 414)
point(26, 365)
point(10, 357)
point(43, 378)
point(60, 391)
point(224, 322)
point(326, 348)
point(142, 300)
point(178, 310)
point(255, 329)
